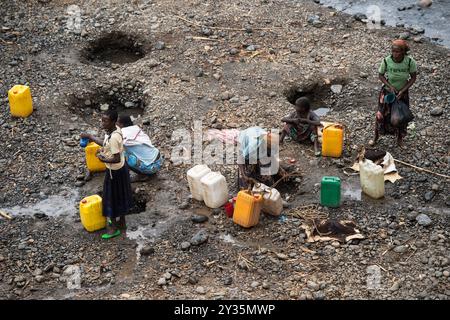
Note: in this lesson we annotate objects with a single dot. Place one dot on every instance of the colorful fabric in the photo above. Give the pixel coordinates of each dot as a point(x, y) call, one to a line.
point(141, 159)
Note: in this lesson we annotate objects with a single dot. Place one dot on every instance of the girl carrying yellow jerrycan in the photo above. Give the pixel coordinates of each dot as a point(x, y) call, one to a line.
point(20, 102)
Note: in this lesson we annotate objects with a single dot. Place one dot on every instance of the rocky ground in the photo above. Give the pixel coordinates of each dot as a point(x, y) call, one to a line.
point(230, 65)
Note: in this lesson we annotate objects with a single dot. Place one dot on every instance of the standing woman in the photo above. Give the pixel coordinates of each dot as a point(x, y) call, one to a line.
point(397, 72)
point(117, 195)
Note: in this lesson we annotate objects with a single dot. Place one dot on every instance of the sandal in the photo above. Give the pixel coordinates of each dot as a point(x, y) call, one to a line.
point(109, 235)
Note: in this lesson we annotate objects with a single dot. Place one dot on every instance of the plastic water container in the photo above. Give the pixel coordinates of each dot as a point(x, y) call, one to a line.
point(330, 192)
point(84, 142)
point(92, 162)
point(272, 201)
point(333, 141)
point(20, 102)
point(247, 209)
point(194, 175)
point(132, 160)
point(372, 179)
point(215, 189)
point(91, 213)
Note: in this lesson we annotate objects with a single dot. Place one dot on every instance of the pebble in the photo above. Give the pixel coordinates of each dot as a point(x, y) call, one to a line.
point(200, 237)
point(429, 195)
point(147, 250)
point(404, 36)
point(161, 282)
point(234, 100)
point(233, 51)
point(446, 273)
point(199, 73)
point(228, 281)
point(167, 276)
point(160, 45)
point(359, 16)
point(79, 183)
point(312, 285)
point(401, 249)
point(185, 245)
point(425, 3)
point(206, 31)
point(200, 290)
point(227, 95)
point(336, 244)
point(184, 205)
point(153, 63)
point(319, 295)
point(411, 216)
point(437, 111)
point(129, 104)
point(197, 218)
point(336, 88)
point(395, 286)
point(255, 284)
point(251, 48)
point(192, 280)
point(266, 285)
point(282, 256)
point(424, 220)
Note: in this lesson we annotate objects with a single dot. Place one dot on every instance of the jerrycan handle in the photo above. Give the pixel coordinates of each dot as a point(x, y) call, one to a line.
point(267, 190)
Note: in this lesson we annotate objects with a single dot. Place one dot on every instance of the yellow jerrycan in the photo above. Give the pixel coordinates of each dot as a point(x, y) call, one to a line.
point(91, 213)
point(20, 102)
point(92, 162)
point(333, 141)
point(247, 209)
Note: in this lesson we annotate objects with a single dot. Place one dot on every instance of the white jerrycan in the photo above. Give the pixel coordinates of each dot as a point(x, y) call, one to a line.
point(215, 189)
point(372, 179)
point(194, 175)
point(272, 201)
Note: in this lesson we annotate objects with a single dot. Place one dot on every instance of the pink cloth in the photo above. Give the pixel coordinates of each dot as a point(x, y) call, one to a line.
point(226, 135)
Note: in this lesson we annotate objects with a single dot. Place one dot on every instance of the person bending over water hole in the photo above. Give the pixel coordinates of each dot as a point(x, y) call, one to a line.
point(141, 156)
point(117, 195)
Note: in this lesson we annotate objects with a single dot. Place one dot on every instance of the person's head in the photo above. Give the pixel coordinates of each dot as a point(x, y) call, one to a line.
point(124, 121)
point(399, 49)
point(109, 119)
point(302, 105)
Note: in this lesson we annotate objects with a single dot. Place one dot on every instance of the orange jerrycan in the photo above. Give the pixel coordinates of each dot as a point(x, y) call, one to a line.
point(92, 162)
point(91, 213)
point(333, 141)
point(247, 209)
point(20, 102)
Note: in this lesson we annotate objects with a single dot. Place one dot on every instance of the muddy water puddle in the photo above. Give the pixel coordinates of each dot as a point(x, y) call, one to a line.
point(64, 204)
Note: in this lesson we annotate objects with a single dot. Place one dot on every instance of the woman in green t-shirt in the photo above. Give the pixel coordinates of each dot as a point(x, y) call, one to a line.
point(398, 73)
